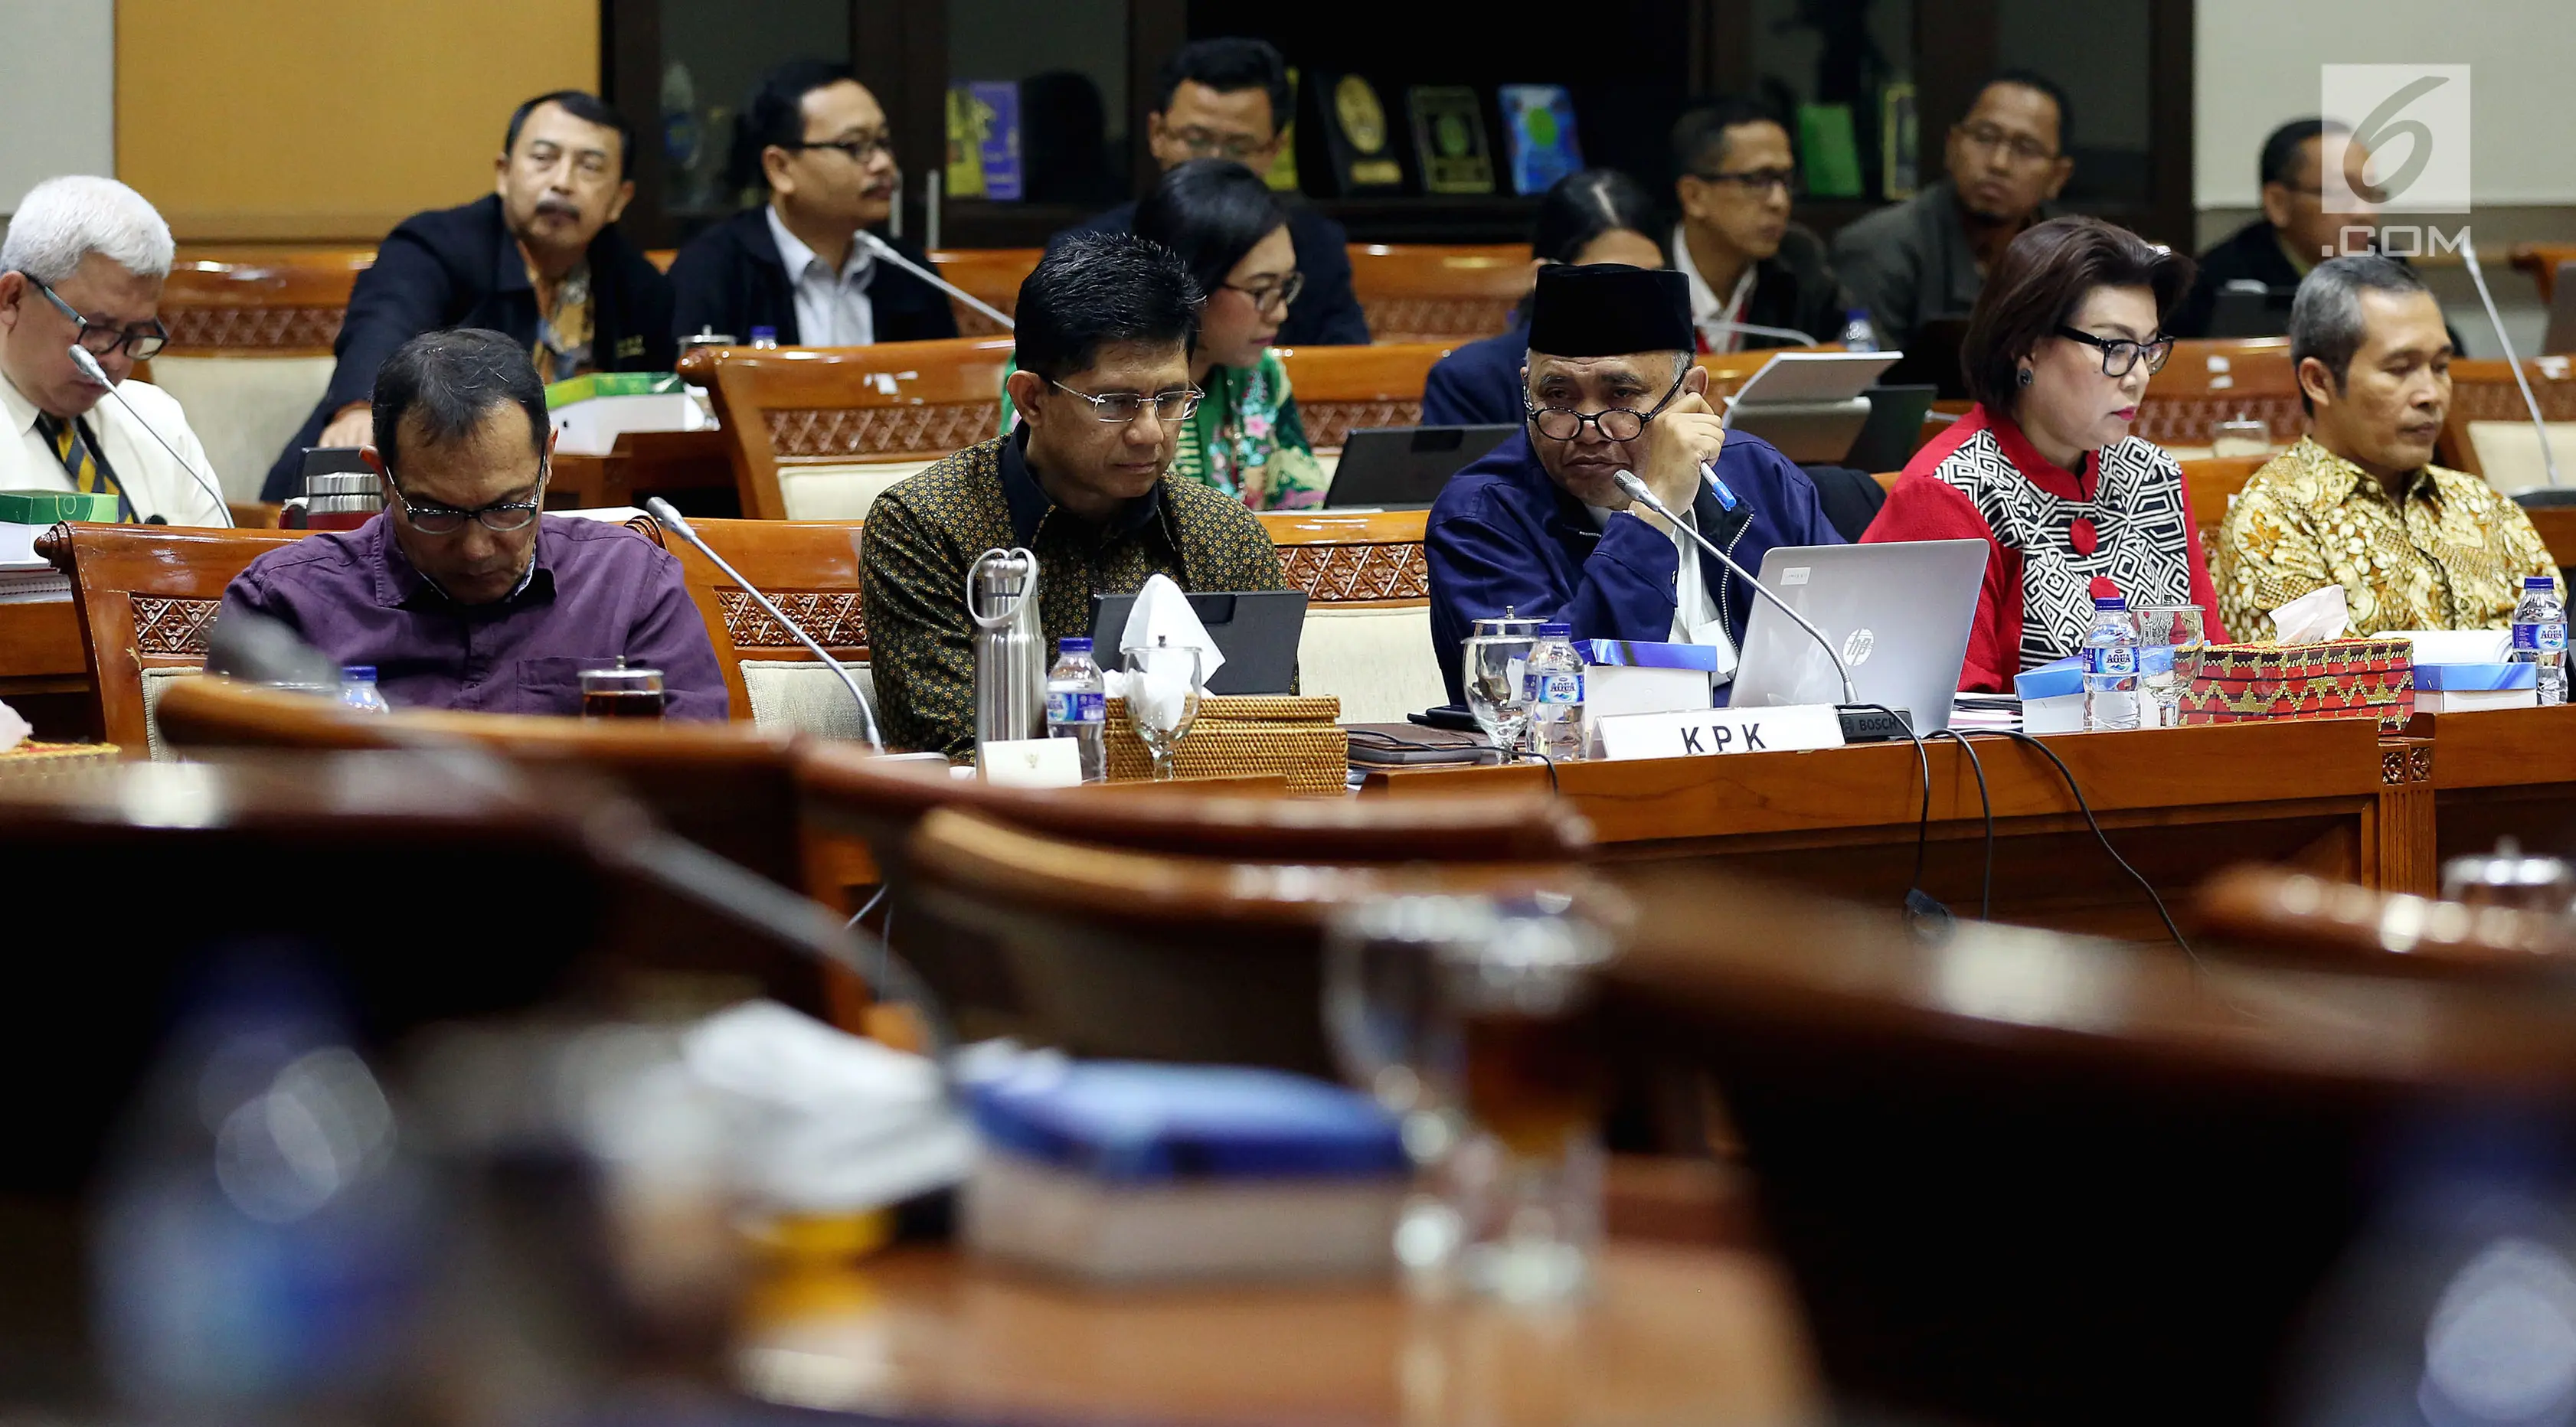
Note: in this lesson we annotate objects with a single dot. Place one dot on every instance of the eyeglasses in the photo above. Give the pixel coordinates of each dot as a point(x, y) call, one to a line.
point(1619, 423)
point(2119, 354)
point(2023, 147)
point(1277, 294)
point(859, 150)
point(1757, 181)
point(98, 341)
point(501, 517)
point(1119, 408)
point(1203, 144)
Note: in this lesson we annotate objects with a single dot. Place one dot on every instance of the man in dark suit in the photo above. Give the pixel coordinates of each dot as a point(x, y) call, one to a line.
point(1746, 262)
point(816, 139)
point(540, 260)
point(1229, 99)
point(2294, 234)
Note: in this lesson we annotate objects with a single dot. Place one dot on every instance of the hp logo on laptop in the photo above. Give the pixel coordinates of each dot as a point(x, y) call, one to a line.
point(1856, 648)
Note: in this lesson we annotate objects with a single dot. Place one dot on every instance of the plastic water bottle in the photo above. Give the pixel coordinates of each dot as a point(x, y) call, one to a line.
point(1077, 704)
point(2540, 636)
point(1858, 335)
point(358, 689)
point(1554, 679)
point(764, 338)
point(2111, 667)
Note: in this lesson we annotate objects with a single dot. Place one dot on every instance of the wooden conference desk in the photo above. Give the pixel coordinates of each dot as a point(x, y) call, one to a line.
point(2179, 804)
point(2501, 773)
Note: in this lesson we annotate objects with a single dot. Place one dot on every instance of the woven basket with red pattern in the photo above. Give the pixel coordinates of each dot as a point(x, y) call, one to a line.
point(2340, 678)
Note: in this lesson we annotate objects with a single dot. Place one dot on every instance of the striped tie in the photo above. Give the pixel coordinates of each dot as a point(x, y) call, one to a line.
point(86, 476)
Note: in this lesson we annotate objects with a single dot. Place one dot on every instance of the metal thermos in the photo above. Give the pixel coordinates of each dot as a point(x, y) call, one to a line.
point(341, 500)
point(1010, 649)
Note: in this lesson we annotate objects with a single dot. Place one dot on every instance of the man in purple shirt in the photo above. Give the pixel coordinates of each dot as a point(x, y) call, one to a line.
point(461, 594)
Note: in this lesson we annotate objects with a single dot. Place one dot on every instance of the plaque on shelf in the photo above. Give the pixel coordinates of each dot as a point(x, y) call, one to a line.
point(967, 121)
point(1355, 130)
point(1538, 124)
point(1897, 142)
point(1282, 176)
point(1449, 147)
point(999, 153)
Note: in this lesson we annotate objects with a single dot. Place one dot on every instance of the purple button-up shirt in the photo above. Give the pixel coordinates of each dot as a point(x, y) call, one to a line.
point(598, 591)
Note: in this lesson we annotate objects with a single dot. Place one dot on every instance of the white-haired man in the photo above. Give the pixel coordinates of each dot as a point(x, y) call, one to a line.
point(83, 264)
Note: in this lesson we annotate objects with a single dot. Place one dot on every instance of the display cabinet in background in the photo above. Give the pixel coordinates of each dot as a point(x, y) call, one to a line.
point(1013, 121)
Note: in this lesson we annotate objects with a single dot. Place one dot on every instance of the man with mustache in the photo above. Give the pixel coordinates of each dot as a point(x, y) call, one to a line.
point(1539, 526)
point(2358, 503)
point(816, 139)
point(1927, 257)
point(540, 260)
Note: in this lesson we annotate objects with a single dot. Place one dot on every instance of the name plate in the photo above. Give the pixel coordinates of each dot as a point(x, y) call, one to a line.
point(1031, 762)
point(1703, 732)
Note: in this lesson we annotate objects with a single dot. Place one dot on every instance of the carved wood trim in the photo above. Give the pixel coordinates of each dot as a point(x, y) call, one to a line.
point(235, 329)
point(1328, 423)
point(1358, 574)
point(2194, 420)
point(831, 616)
point(172, 626)
point(1437, 319)
point(857, 431)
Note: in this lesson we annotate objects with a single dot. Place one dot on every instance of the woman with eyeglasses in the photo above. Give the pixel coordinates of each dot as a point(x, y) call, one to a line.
point(1598, 215)
point(1245, 437)
point(2044, 467)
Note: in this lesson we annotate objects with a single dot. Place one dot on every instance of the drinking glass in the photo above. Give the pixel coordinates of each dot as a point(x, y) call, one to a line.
point(1497, 694)
point(1164, 687)
point(1472, 1021)
point(2172, 641)
point(618, 691)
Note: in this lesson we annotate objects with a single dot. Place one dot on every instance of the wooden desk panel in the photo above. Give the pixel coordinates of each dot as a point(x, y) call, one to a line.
point(2556, 526)
point(40, 649)
point(2179, 804)
point(1674, 1335)
point(2502, 773)
point(671, 464)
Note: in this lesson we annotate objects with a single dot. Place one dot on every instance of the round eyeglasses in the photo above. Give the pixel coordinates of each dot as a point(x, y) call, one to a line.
point(1121, 407)
point(1619, 423)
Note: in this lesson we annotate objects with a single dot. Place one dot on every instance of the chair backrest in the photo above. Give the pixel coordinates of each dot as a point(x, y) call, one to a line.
point(2210, 382)
point(820, 432)
point(250, 348)
point(1426, 293)
point(1166, 955)
point(2541, 260)
point(1341, 389)
point(810, 570)
point(1367, 639)
point(2488, 431)
point(992, 274)
point(2212, 482)
point(2276, 911)
point(146, 595)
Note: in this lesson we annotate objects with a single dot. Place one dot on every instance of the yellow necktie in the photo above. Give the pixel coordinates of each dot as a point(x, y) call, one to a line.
point(87, 478)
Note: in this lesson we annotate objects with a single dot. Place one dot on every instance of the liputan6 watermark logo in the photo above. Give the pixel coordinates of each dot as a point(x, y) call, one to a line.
point(2407, 150)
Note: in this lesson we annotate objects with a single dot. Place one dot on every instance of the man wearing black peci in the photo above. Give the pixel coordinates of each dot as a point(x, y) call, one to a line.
point(540, 259)
point(1229, 99)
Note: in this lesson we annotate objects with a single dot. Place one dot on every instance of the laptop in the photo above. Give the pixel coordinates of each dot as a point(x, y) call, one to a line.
point(1404, 467)
point(1898, 612)
point(1256, 630)
point(1894, 429)
point(1809, 405)
point(1933, 356)
point(2246, 308)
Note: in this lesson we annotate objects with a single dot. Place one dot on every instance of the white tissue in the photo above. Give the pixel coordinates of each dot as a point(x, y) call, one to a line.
point(1161, 628)
point(13, 729)
point(2313, 618)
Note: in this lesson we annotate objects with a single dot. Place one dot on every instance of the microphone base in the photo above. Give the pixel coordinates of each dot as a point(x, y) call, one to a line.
point(1870, 724)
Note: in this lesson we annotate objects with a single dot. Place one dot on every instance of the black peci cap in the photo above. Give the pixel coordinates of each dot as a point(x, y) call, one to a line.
point(1609, 310)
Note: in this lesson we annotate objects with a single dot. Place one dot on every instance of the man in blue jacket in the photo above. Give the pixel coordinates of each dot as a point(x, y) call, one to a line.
point(1539, 527)
point(540, 259)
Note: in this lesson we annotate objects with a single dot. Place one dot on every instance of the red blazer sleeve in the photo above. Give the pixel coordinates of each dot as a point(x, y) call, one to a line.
point(1922, 508)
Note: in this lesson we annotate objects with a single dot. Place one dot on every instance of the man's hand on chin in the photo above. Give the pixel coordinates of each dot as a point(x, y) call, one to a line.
point(1688, 433)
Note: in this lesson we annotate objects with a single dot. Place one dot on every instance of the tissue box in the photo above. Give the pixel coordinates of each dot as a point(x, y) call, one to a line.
point(2340, 678)
point(46, 508)
point(2052, 696)
point(1623, 676)
point(592, 411)
point(2459, 688)
point(1126, 1172)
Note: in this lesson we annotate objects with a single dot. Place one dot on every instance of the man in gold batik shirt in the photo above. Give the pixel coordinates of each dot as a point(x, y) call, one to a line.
point(2358, 502)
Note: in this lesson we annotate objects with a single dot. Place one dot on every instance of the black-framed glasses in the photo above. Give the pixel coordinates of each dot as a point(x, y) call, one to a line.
point(1757, 181)
point(1203, 144)
point(1619, 423)
point(2022, 147)
point(1119, 408)
point(142, 342)
point(500, 517)
point(2119, 354)
point(858, 150)
point(1277, 294)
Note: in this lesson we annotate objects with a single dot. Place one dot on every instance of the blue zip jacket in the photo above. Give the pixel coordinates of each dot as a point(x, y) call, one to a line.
point(1479, 384)
point(1503, 534)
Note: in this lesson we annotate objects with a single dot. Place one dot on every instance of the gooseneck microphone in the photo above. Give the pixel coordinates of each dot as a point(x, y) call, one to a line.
point(1756, 329)
point(2548, 458)
point(90, 368)
point(886, 250)
point(672, 520)
point(1637, 492)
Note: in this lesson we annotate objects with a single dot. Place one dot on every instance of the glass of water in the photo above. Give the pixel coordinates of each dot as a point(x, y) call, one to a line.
point(2172, 641)
point(1495, 658)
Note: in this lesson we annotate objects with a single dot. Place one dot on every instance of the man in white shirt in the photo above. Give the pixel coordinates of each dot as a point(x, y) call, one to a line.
point(1745, 262)
point(83, 263)
point(816, 139)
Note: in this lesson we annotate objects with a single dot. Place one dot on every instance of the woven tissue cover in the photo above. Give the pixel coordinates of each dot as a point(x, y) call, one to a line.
point(2340, 678)
point(32, 760)
point(1236, 734)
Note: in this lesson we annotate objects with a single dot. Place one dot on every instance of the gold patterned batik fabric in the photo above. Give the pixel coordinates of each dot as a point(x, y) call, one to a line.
point(2451, 555)
point(923, 535)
